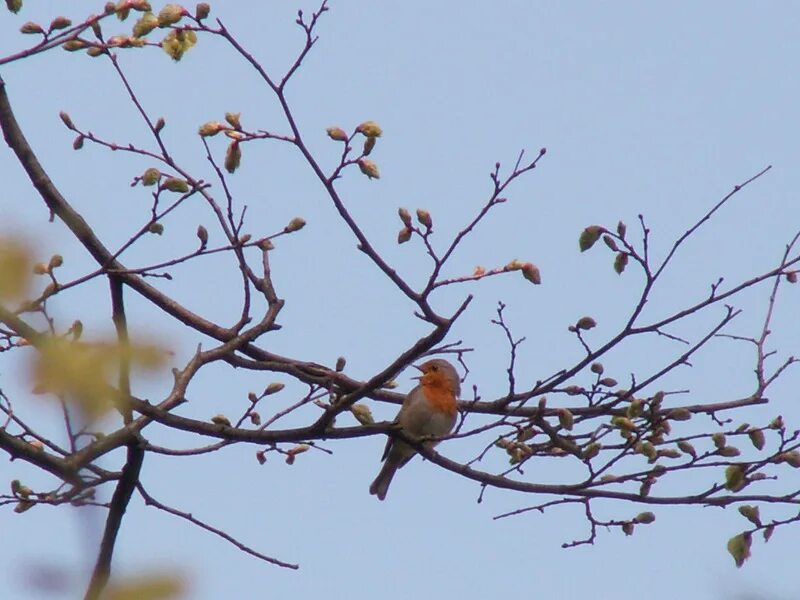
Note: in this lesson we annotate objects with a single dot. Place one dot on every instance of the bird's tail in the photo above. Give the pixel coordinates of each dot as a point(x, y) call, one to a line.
point(380, 486)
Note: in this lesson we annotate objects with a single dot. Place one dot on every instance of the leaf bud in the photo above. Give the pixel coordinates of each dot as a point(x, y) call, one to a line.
point(369, 129)
point(531, 272)
point(424, 217)
point(202, 10)
point(403, 235)
point(170, 14)
point(369, 168)
point(337, 133)
point(295, 224)
point(151, 176)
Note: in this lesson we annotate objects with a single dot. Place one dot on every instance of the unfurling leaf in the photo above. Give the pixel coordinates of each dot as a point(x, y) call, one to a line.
point(170, 14)
point(565, 419)
point(628, 527)
point(757, 438)
point(233, 157)
point(177, 42)
point(156, 228)
point(211, 128)
point(369, 129)
point(292, 452)
point(369, 168)
point(589, 237)
point(531, 272)
point(768, 531)
point(362, 413)
point(751, 513)
point(734, 478)
point(369, 144)
point(591, 451)
point(620, 262)
point(14, 5)
point(739, 547)
point(146, 23)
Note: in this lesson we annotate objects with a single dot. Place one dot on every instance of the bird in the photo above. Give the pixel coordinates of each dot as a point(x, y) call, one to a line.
point(429, 410)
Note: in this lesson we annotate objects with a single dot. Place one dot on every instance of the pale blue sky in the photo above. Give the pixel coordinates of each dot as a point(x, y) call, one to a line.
point(644, 108)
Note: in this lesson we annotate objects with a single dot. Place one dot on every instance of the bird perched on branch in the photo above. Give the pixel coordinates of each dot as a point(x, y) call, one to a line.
point(429, 410)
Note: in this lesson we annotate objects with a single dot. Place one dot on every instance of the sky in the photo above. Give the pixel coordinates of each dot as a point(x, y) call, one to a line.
point(644, 108)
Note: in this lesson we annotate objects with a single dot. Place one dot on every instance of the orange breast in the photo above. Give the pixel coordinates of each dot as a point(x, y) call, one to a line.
point(440, 395)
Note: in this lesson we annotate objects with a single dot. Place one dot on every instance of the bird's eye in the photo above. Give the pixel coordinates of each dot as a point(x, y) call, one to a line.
point(434, 368)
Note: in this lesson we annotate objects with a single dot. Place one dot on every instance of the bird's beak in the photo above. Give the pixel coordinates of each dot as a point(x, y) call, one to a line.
point(418, 368)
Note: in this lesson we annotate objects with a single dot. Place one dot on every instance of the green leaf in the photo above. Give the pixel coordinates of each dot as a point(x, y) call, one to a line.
point(589, 237)
point(739, 547)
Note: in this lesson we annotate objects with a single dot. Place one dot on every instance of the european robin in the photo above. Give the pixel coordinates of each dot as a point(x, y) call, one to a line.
point(429, 410)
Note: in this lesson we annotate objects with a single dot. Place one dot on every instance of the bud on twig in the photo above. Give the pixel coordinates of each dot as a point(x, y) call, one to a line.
point(295, 224)
point(369, 168)
point(337, 133)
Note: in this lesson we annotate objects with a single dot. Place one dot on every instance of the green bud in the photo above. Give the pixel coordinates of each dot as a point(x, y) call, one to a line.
point(295, 224)
point(151, 177)
point(174, 184)
point(369, 168)
point(424, 217)
point(221, 420)
point(146, 23)
point(565, 419)
point(170, 14)
point(337, 133)
point(757, 438)
point(273, 388)
point(369, 129)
